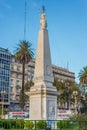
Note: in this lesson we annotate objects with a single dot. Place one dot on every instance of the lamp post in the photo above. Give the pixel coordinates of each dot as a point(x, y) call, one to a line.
point(2, 95)
point(75, 93)
point(69, 98)
point(68, 90)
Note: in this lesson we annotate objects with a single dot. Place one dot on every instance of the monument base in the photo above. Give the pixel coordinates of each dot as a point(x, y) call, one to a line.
point(43, 103)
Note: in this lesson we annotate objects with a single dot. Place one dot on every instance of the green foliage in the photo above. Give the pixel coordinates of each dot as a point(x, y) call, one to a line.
point(74, 124)
point(7, 124)
point(26, 89)
point(29, 125)
point(83, 95)
point(4, 111)
point(24, 52)
point(83, 75)
point(28, 85)
point(82, 120)
point(65, 89)
point(21, 102)
point(19, 123)
point(41, 124)
point(83, 85)
point(79, 117)
point(62, 124)
point(1, 123)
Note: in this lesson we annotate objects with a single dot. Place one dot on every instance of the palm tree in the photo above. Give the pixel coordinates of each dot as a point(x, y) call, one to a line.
point(83, 75)
point(23, 54)
point(83, 86)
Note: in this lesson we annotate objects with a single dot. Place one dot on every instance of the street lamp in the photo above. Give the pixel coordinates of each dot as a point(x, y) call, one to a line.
point(75, 93)
point(2, 95)
point(68, 90)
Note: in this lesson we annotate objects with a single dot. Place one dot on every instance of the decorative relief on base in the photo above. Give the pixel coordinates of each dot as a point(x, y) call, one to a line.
point(48, 70)
point(51, 109)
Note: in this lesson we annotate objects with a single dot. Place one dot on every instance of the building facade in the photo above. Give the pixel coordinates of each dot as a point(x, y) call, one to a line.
point(63, 74)
point(16, 81)
point(16, 76)
point(11, 76)
point(5, 61)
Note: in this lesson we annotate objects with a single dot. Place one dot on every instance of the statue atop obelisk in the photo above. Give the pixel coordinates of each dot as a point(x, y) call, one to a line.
point(43, 95)
point(43, 22)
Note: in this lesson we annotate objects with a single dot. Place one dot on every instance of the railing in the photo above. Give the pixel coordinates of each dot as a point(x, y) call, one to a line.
point(13, 124)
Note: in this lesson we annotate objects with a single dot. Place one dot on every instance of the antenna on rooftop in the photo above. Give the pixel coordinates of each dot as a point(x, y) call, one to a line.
point(67, 65)
point(25, 12)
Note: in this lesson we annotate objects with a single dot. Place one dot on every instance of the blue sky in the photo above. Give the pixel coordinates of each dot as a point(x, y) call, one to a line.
point(67, 26)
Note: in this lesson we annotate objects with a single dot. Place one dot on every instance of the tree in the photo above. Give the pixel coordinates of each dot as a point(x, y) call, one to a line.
point(27, 86)
point(70, 87)
point(23, 54)
point(83, 75)
point(21, 100)
point(59, 86)
point(65, 89)
point(83, 86)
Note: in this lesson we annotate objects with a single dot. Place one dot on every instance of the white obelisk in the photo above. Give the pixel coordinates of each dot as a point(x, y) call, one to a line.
point(43, 95)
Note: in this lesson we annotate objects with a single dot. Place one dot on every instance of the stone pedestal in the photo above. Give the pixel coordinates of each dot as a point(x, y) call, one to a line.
point(43, 103)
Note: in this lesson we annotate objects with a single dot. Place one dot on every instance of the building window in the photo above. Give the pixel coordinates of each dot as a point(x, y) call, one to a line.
point(17, 75)
point(12, 67)
point(11, 89)
point(17, 82)
point(11, 81)
point(13, 60)
point(17, 90)
point(12, 74)
point(18, 68)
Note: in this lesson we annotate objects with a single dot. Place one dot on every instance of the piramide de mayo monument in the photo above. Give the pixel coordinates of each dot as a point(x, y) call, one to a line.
point(43, 95)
